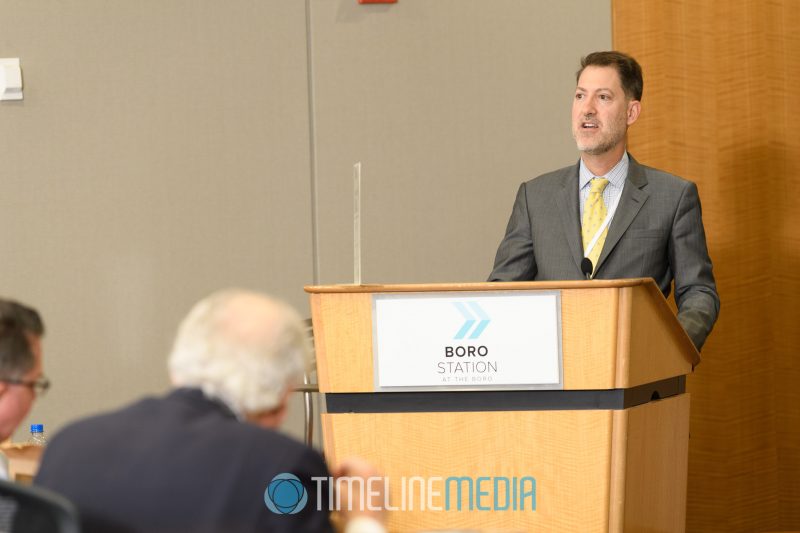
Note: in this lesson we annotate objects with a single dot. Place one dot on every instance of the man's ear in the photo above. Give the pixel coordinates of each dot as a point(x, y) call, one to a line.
point(634, 108)
point(271, 418)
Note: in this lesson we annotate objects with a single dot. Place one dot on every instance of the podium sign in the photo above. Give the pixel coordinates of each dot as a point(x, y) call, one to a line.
point(478, 340)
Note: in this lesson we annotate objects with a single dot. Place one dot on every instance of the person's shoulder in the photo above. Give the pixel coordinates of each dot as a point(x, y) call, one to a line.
point(96, 424)
point(553, 178)
point(662, 178)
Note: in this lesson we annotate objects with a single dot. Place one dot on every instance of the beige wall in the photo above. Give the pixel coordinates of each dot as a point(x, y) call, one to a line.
point(448, 105)
point(165, 149)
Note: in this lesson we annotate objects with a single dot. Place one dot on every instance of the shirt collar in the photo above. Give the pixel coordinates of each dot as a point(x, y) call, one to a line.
point(616, 176)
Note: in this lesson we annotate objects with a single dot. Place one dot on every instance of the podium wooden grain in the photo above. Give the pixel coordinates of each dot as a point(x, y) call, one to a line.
point(595, 469)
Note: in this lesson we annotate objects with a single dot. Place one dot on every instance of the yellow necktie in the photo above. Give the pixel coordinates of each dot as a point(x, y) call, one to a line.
point(594, 214)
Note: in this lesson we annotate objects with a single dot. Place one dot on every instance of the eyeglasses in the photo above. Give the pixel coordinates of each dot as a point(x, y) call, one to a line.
point(38, 386)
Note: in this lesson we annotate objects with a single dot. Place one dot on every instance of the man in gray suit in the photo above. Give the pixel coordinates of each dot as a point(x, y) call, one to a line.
point(617, 218)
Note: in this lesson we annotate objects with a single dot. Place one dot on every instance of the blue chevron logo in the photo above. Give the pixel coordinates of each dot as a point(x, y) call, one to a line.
point(472, 313)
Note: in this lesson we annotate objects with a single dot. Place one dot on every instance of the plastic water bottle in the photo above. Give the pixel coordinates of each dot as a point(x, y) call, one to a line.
point(37, 435)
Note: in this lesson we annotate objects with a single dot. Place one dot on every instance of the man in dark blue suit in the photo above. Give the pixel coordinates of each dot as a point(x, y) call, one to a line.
point(207, 456)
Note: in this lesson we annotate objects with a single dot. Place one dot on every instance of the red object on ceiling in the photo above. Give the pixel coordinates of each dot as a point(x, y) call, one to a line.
point(377, 1)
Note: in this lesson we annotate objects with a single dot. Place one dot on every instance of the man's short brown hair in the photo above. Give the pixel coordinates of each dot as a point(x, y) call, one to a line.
point(630, 73)
point(17, 322)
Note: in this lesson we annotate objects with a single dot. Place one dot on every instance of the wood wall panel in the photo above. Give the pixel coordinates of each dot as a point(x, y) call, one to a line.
point(718, 80)
point(786, 282)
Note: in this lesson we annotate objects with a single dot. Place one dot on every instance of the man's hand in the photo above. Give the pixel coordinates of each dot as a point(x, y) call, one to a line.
point(359, 496)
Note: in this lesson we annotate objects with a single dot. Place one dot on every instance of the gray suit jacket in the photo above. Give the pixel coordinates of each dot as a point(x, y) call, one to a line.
point(657, 232)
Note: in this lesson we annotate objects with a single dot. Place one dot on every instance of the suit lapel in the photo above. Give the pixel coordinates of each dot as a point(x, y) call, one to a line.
point(631, 201)
point(567, 201)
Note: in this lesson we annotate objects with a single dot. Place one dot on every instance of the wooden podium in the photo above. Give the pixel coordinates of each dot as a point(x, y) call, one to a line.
point(608, 452)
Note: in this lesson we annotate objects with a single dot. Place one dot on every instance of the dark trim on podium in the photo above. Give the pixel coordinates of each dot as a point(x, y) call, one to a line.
point(501, 400)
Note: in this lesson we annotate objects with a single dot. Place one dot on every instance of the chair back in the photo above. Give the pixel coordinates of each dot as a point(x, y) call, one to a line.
point(35, 510)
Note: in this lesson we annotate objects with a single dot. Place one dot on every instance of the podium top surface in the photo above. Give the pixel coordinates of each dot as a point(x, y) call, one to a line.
point(482, 286)
point(615, 334)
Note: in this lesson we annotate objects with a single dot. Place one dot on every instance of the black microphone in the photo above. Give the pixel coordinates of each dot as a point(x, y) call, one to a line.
point(587, 268)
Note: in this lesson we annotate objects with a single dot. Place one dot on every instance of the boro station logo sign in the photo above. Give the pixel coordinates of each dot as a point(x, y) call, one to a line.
point(470, 320)
point(467, 341)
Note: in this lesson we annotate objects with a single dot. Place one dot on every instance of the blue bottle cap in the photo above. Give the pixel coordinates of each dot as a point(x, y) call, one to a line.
point(37, 428)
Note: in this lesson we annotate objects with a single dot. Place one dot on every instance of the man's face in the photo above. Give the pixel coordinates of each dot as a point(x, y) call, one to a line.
point(16, 399)
point(601, 113)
